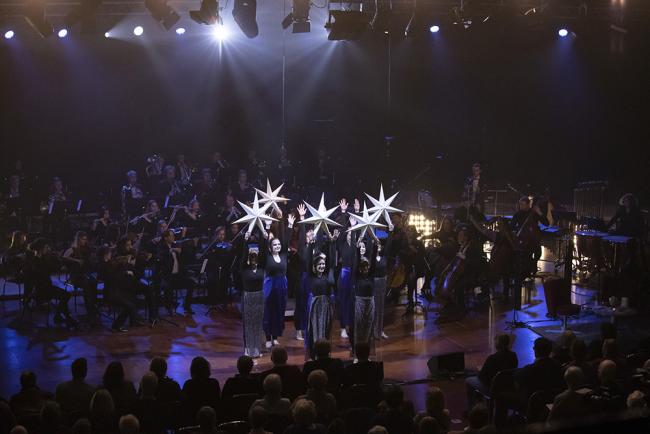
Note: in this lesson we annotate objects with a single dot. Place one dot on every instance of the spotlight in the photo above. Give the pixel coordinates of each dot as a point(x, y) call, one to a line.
point(35, 16)
point(9, 34)
point(434, 29)
point(180, 31)
point(208, 14)
point(63, 33)
point(138, 31)
point(162, 13)
point(563, 33)
point(298, 17)
point(107, 35)
point(244, 12)
point(220, 33)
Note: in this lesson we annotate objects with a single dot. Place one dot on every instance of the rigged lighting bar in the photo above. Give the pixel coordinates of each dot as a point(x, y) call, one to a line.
point(208, 13)
point(162, 13)
point(298, 18)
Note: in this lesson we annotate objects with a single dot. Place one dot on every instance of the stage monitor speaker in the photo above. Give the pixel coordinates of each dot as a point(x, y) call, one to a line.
point(450, 362)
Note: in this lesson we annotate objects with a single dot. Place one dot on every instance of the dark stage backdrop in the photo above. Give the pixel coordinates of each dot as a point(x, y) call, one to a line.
point(531, 107)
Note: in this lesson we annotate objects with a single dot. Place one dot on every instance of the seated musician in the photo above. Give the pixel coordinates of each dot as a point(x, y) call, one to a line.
point(192, 219)
point(628, 220)
point(78, 260)
point(38, 270)
point(446, 248)
point(172, 273)
point(132, 195)
point(229, 212)
point(100, 226)
point(461, 275)
point(13, 259)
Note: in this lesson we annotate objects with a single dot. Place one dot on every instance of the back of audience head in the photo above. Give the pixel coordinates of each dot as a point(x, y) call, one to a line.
point(244, 365)
point(272, 385)
point(113, 375)
point(149, 384)
point(27, 379)
point(129, 424)
point(304, 412)
point(18, 429)
point(636, 400)
point(317, 380)
point(79, 368)
point(82, 426)
point(322, 348)
point(337, 426)
point(435, 401)
point(158, 366)
point(393, 396)
point(362, 351)
point(542, 347)
point(378, 429)
point(258, 417)
point(102, 405)
point(502, 342)
point(478, 417)
point(428, 425)
point(206, 418)
point(579, 351)
point(200, 368)
point(606, 371)
point(574, 377)
point(279, 356)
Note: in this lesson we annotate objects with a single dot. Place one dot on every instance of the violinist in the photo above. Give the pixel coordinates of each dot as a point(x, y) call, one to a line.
point(172, 274)
point(525, 226)
point(100, 226)
point(38, 282)
point(132, 195)
point(220, 259)
point(78, 260)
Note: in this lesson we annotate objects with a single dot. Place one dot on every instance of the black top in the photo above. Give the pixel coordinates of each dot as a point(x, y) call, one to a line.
point(332, 367)
point(347, 252)
point(252, 280)
point(379, 264)
point(271, 267)
point(240, 385)
point(364, 286)
point(496, 362)
point(628, 223)
point(322, 285)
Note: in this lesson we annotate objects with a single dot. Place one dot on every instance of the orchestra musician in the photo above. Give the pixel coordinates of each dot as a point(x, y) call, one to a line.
point(79, 261)
point(229, 212)
point(132, 195)
point(57, 210)
point(13, 203)
point(220, 260)
point(473, 196)
point(220, 168)
point(100, 226)
point(628, 220)
point(173, 274)
point(169, 187)
point(185, 171)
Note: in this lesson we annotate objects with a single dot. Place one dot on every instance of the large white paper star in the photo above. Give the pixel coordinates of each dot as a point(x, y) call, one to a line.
point(272, 196)
point(255, 215)
point(383, 205)
point(320, 217)
point(366, 222)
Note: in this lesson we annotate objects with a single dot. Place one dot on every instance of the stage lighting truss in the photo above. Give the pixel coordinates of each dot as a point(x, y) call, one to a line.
point(35, 16)
point(162, 13)
point(84, 13)
point(298, 18)
point(208, 13)
point(381, 19)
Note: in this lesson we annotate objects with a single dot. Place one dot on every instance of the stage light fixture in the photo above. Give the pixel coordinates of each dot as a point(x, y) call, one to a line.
point(35, 16)
point(298, 18)
point(245, 14)
point(162, 13)
point(220, 33)
point(434, 29)
point(180, 31)
point(563, 33)
point(63, 33)
point(107, 35)
point(208, 13)
point(9, 34)
point(347, 25)
point(138, 31)
point(84, 12)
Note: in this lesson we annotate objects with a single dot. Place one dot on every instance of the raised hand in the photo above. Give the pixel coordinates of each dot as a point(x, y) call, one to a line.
point(353, 221)
point(291, 219)
point(343, 204)
point(302, 210)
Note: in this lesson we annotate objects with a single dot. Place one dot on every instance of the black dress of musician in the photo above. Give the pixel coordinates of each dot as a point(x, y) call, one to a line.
point(172, 274)
point(78, 259)
point(220, 260)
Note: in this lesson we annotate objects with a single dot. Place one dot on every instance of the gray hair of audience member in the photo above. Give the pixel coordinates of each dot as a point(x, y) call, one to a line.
point(607, 371)
point(102, 405)
point(317, 380)
point(378, 429)
point(257, 417)
point(636, 399)
point(149, 384)
point(304, 412)
point(18, 429)
point(574, 377)
point(206, 417)
point(82, 426)
point(272, 385)
point(428, 425)
point(129, 424)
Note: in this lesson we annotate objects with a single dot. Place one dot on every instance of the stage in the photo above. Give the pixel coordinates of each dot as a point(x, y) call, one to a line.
point(413, 339)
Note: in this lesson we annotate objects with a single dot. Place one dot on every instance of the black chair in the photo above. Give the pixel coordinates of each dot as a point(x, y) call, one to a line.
point(277, 423)
point(536, 409)
point(500, 396)
point(360, 396)
point(238, 406)
point(235, 427)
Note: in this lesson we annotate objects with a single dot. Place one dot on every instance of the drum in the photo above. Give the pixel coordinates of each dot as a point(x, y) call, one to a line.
point(590, 245)
point(615, 250)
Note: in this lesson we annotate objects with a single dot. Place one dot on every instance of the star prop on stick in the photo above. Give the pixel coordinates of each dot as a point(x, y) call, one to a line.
point(272, 196)
point(255, 215)
point(366, 222)
point(383, 205)
point(321, 216)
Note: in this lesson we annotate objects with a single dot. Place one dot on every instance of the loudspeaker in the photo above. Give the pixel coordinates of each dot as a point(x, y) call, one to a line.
point(451, 362)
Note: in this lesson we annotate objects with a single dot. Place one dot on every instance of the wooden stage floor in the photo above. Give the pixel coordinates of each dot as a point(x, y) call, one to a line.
point(412, 341)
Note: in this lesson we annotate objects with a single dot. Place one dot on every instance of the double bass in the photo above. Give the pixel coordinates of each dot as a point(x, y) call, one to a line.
point(448, 281)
